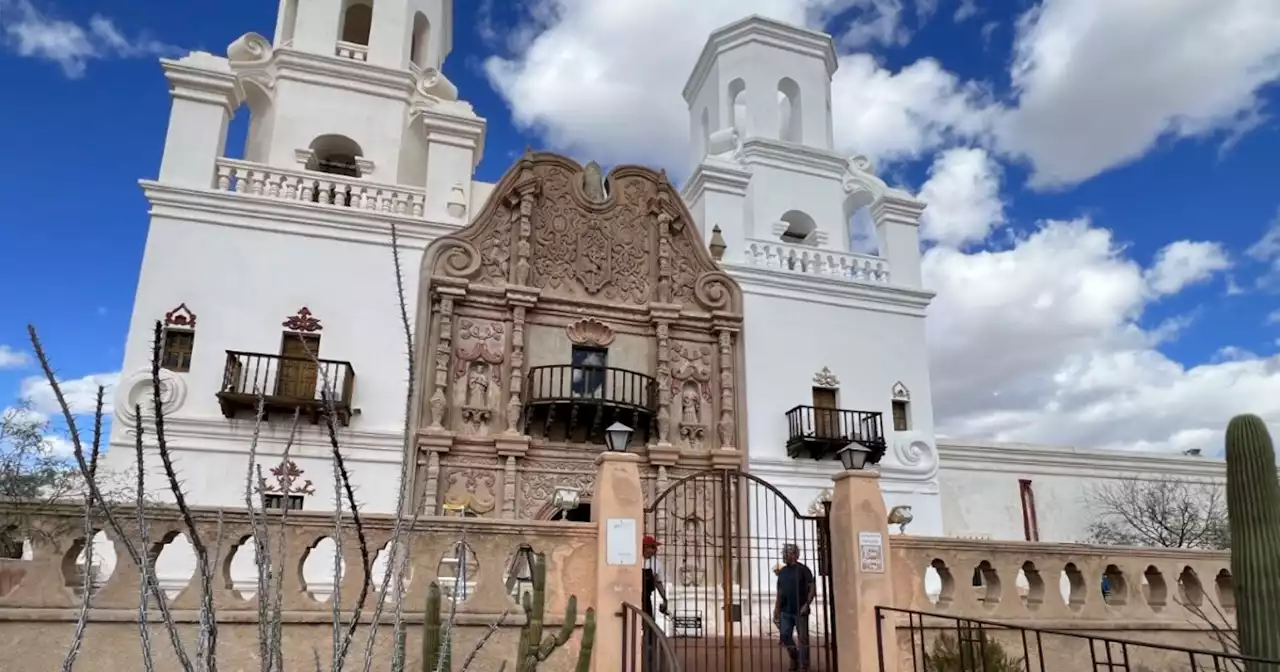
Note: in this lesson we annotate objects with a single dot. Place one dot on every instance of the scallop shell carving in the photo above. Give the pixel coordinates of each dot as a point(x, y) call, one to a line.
point(590, 331)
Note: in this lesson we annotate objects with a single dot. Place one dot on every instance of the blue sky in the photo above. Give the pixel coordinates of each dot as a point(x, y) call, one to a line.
point(1045, 230)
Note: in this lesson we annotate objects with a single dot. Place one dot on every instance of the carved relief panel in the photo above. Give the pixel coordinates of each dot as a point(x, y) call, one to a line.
point(691, 385)
point(477, 373)
point(472, 484)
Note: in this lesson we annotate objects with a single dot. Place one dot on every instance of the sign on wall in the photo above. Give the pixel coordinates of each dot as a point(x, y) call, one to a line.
point(871, 552)
point(620, 542)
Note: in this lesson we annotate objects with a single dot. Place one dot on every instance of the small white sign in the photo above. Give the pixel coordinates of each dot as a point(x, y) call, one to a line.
point(620, 542)
point(871, 552)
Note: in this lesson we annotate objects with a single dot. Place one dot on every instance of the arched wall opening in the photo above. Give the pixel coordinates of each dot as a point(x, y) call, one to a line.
point(336, 155)
point(801, 229)
point(704, 134)
point(790, 114)
point(419, 49)
point(737, 106)
point(288, 22)
point(860, 226)
point(357, 19)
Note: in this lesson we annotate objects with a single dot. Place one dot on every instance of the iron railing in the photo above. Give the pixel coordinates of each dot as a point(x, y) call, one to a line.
point(819, 432)
point(286, 383)
point(645, 647)
point(941, 643)
point(602, 385)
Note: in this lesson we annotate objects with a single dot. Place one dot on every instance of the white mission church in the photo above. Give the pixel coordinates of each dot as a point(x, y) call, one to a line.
point(726, 320)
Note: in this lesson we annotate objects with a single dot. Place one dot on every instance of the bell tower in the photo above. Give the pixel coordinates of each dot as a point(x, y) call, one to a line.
point(401, 34)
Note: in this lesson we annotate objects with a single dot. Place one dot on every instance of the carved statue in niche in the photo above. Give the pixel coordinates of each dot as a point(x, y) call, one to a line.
point(495, 251)
point(593, 183)
point(690, 383)
point(472, 490)
point(477, 372)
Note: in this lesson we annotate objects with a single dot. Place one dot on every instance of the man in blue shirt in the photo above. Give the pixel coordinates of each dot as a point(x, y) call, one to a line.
point(796, 592)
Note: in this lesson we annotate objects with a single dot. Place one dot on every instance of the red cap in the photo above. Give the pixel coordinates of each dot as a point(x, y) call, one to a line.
point(650, 541)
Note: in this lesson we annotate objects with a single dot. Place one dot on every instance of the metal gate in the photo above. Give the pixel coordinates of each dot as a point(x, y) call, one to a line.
point(722, 537)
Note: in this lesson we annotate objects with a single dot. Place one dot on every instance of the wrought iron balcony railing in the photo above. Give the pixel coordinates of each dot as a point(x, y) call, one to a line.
point(578, 402)
point(286, 384)
point(822, 432)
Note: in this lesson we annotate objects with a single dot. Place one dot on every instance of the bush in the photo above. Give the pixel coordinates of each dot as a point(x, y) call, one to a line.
point(974, 654)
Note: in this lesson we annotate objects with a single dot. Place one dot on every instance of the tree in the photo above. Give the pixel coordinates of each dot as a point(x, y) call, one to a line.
point(30, 469)
point(1164, 512)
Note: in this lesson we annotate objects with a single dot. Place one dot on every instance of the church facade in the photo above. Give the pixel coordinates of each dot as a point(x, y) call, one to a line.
point(726, 322)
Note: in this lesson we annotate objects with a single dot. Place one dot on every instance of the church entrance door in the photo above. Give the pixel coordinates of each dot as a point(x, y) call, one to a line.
point(724, 537)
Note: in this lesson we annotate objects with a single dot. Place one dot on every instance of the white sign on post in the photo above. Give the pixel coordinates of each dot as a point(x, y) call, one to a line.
point(871, 552)
point(620, 542)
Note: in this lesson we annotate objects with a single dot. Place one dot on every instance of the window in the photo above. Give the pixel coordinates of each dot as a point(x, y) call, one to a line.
point(178, 345)
point(901, 422)
point(826, 416)
point(297, 374)
point(280, 502)
point(356, 21)
point(588, 370)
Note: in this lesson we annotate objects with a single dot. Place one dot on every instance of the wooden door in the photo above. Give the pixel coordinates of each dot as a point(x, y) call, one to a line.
point(826, 416)
point(297, 374)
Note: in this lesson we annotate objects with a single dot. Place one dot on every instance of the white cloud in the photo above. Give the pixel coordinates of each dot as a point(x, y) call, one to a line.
point(967, 10)
point(878, 22)
point(11, 358)
point(1184, 263)
point(1100, 82)
point(31, 33)
point(963, 193)
point(80, 393)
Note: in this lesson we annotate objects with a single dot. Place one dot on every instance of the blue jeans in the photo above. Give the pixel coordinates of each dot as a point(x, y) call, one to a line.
point(794, 631)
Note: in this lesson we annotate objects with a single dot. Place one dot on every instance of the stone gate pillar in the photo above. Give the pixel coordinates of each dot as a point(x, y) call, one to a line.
point(617, 509)
point(861, 576)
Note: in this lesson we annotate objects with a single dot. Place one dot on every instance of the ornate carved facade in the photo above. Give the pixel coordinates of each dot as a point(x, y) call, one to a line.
point(573, 301)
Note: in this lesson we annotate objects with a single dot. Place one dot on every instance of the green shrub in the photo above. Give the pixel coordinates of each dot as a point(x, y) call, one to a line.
point(974, 654)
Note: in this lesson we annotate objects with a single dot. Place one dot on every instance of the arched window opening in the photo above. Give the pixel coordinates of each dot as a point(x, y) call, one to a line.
point(580, 514)
point(288, 21)
point(738, 106)
point(801, 228)
point(421, 40)
point(357, 18)
point(790, 117)
point(336, 155)
point(861, 227)
point(705, 135)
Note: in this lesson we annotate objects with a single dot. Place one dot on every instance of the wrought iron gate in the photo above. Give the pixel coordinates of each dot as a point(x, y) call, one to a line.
point(722, 536)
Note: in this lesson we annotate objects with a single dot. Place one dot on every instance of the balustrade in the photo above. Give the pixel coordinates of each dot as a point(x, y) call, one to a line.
point(818, 262)
point(351, 50)
point(303, 186)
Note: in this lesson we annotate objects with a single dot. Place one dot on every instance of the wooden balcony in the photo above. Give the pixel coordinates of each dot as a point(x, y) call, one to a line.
point(287, 384)
point(579, 402)
point(820, 433)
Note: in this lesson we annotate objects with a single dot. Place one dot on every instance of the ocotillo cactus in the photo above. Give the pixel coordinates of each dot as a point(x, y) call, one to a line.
point(534, 649)
point(433, 638)
point(1253, 508)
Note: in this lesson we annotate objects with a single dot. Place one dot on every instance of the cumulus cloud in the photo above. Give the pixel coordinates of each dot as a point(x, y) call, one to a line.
point(1184, 263)
point(963, 193)
point(31, 33)
point(1100, 82)
point(81, 394)
point(11, 358)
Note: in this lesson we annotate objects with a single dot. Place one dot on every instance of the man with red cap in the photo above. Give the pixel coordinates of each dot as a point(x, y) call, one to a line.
point(654, 577)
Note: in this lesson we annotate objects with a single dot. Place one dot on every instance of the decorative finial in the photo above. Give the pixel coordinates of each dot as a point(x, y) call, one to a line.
point(717, 243)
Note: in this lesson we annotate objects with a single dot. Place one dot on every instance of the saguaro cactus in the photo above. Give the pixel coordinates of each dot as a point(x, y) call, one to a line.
point(534, 649)
point(1253, 507)
point(433, 637)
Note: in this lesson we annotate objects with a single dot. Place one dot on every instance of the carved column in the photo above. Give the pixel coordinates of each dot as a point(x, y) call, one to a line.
point(664, 383)
point(727, 425)
point(528, 188)
point(431, 494)
point(444, 349)
point(509, 488)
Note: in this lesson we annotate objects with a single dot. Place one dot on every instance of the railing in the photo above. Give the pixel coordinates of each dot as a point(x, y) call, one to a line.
point(285, 382)
point(813, 261)
point(819, 431)
point(304, 186)
point(645, 647)
point(351, 50)
point(927, 642)
point(618, 388)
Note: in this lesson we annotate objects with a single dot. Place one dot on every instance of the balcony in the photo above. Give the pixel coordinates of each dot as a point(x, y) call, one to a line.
point(286, 384)
point(322, 189)
point(576, 403)
point(812, 261)
point(820, 433)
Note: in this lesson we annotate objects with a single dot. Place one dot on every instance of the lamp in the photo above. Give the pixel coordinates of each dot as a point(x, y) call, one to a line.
point(616, 437)
point(566, 499)
point(854, 456)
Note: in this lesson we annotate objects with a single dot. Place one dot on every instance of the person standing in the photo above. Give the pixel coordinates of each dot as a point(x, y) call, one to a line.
point(654, 581)
point(796, 592)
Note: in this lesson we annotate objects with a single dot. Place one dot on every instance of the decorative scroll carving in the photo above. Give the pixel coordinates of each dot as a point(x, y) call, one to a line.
point(472, 489)
point(725, 428)
point(477, 364)
point(183, 317)
point(690, 379)
point(590, 331)
point(539, 480)
point(825, 378)
point(304, 321)
point(900, 392)
point(288, 480)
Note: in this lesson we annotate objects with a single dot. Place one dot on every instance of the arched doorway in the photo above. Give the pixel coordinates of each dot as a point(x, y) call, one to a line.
point(723, 535)
point(580, 514)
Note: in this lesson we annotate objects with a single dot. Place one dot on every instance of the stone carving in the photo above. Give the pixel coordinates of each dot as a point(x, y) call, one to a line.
point(288, 480)
point(725, 428)
point(593, 184)
point(690, 380)
point(183, 317)
point(539, 481)
point(495, 251)
point(900, 392)
point(825, 378)
point(594, 269)
point(590, 331)
point(437, 402)
point(664, 383)
point(472, 490)
point(304, 321)
point(477, 357)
